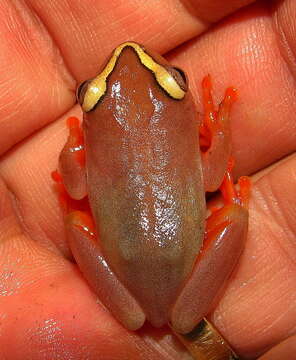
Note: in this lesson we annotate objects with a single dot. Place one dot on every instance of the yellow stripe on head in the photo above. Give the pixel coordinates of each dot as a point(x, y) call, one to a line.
point(98, 86)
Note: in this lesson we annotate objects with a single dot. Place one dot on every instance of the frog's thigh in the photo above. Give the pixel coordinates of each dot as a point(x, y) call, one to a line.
point(226, 235)
point(72, 161)
point(85, 248)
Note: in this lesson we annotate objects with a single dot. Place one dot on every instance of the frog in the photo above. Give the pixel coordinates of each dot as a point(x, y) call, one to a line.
point(132, 182)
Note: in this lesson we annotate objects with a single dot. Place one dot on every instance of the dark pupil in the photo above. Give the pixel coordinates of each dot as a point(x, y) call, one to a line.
point(180, 77)
point(182, 74)
point(81, 90)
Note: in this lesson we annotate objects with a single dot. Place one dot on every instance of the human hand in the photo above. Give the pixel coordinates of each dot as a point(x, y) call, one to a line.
point(47, 309)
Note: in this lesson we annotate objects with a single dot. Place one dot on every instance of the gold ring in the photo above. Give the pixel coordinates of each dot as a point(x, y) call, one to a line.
point(204, 342)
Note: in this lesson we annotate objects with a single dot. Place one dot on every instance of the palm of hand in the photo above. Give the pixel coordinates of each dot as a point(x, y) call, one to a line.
point(45, 302)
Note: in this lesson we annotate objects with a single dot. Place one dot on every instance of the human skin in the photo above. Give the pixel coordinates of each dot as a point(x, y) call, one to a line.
point(47, 310)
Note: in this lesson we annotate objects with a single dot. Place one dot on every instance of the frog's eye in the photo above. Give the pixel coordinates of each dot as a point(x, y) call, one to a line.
point(179, 76)
point(81, 90)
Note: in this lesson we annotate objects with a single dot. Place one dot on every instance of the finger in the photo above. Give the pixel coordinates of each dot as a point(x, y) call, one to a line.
point(259, 306)
point(214, 10)
point(285, 350)
point(34, 189)
point(47, 45)
point(162, 25)
point(246, 51)
point(33, 75)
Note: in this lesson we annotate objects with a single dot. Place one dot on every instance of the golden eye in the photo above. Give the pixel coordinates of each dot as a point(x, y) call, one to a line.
point(179, 76)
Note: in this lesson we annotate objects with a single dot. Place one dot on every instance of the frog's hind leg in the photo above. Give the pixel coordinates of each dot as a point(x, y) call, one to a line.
point(226, 232)
point(85, 247)
point(215, 139)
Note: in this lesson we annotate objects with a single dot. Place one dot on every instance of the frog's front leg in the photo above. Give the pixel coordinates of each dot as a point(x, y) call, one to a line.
point(72, 161)
point(82, 236)
point(225, 236)
point(215, 137)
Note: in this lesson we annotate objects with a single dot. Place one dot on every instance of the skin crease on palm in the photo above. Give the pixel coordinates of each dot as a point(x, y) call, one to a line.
point(47, 310)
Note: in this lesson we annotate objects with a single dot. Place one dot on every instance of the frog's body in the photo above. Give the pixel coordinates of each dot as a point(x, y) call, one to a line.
point(146, 182)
